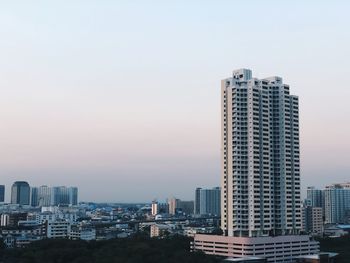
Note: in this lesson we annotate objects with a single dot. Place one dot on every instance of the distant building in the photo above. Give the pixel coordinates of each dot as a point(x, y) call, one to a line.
point(58, 229)
point(155, 208)
point(315, 196)
point(20, 193)
point(53, 196)
point(207, 201)
point(186, 207)
point(158, 230)
point(173, 203)
point(12, 219)
point(337, 203)
point(313, 220)
point(2, 193)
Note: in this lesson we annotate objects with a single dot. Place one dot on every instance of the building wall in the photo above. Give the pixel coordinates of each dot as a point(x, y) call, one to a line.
point(275, 249)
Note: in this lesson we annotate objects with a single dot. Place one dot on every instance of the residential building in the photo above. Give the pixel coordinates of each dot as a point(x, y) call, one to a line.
point(313, 220)
point(337, 203)
point(20, 193)
point(173, 203)
point(58, 229)
point(155, 208)
point(260, 182)
point(208, 201)
point(260, 157)
point(45, 196)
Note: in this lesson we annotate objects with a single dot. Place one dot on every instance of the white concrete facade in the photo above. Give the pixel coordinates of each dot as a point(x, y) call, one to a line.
point(275, 249)
point(260, 193)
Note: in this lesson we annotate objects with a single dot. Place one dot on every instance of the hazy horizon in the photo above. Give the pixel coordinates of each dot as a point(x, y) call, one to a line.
point(122, 98)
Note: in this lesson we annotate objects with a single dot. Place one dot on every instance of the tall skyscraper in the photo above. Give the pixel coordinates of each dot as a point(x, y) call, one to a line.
point(260, 157)
point(2, 193)
point(20, 193)
point(207, 201)
point(260, 181)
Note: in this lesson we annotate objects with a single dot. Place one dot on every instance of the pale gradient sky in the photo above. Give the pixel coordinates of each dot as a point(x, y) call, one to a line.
point(122, 98)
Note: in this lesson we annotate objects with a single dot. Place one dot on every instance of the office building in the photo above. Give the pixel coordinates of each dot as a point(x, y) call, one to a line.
point(2, 193)
point(315, 196)
point(337, 203)
point(207, 201)
point(20, 193)
point(260, 163)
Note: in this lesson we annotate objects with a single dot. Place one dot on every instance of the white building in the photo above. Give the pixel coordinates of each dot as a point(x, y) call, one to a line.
point(155, 208)
point(58, 229)
point(260, 182)
point(274, 249)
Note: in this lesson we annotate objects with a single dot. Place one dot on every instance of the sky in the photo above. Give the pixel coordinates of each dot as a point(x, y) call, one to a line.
point(122, 98)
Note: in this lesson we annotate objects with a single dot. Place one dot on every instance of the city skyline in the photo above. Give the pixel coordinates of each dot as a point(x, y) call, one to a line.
point(124, 96)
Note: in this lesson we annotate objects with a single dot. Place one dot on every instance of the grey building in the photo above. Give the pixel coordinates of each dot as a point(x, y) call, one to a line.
point(207, 201)
point(20, 193)
point(315, 197)
point(260, 193)
point(2, 193)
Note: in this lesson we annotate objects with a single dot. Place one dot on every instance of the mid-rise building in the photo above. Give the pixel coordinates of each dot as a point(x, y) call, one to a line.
point(207, 201)
point(313, 220)
point(20, 193)
point(2, 193)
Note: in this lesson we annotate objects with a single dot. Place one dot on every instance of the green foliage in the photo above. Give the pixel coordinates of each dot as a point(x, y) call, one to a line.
point(137, 249)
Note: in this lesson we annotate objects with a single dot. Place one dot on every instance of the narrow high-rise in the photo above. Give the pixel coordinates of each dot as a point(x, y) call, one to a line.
point(260, 157)
point(260, 181)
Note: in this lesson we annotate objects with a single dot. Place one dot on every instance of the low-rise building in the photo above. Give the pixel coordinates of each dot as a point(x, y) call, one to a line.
point(275, 249)
point(58, 229)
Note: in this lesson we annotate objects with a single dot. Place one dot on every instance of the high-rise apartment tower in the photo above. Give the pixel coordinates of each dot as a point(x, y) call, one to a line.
point(260, 193)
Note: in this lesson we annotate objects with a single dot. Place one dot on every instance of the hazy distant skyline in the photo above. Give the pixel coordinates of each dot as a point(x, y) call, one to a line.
point(122, 98)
